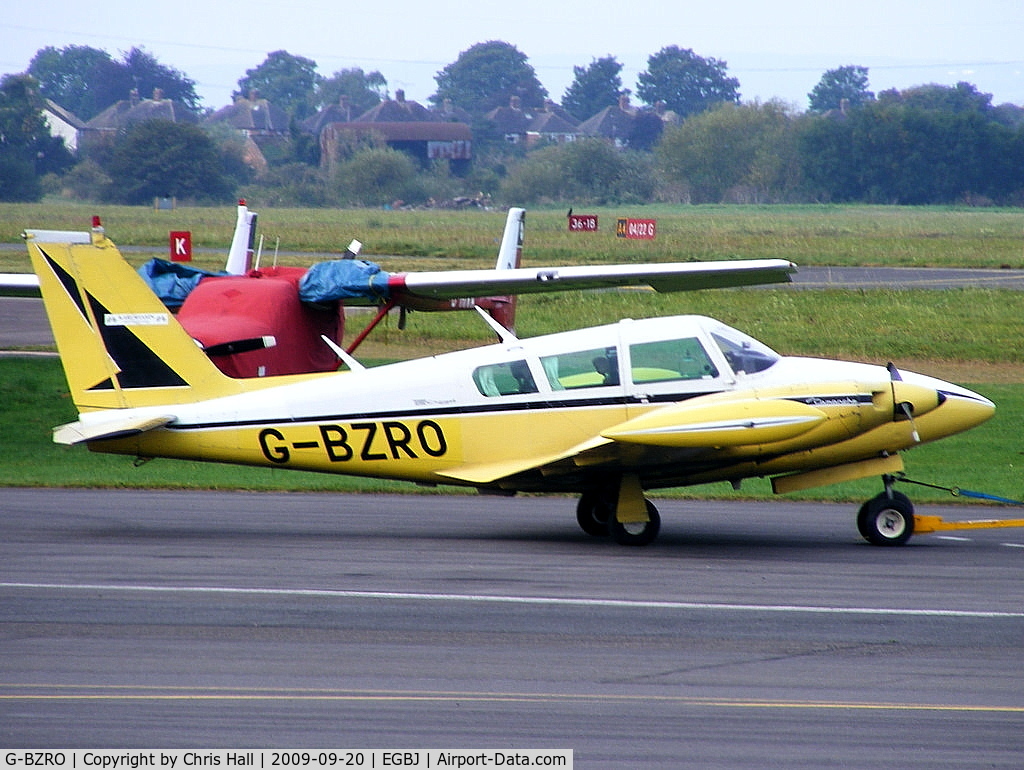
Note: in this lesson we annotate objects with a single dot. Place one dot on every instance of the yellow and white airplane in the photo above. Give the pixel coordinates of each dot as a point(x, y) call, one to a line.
point(605, 412)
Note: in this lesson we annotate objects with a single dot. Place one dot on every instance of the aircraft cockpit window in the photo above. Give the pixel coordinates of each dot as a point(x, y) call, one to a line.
point(665, 360)
point(505, 379)
point(582, 369)
point(745, 354)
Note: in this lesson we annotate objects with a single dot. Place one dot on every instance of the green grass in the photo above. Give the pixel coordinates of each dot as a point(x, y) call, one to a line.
point(808, 235)
point(33, 399)
point(962, 325)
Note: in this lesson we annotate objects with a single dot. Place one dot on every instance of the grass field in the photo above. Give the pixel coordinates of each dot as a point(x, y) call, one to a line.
point(808, 235)
point(970, 335)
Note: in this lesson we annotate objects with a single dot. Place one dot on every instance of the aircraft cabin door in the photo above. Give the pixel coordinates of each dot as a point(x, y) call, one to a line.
point(661, 371)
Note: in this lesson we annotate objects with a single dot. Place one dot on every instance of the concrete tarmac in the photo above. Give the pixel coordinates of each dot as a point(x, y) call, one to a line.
point(749, 635)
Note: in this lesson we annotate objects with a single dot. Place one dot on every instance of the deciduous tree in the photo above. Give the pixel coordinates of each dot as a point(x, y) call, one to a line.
point(158, 158)
point(844, 84)
point(362, 91)
point(594, 87)
point(87, 80)
point(287, 81)
point(488, 75)
point(687, 83)
point(732, 152)
point(27, 150)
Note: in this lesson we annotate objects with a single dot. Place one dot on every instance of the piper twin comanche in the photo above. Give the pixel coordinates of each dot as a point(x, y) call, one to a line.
point(606, 413)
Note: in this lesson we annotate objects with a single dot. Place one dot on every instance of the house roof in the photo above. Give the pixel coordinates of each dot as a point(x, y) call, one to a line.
point(340, 112)
point(615, 122)
point(397, 110)
point(551, 123)
point(252, 114)
point(511, 119)
point(449, 112)
point(419, 131)
point(65, 115)
point(133, 110)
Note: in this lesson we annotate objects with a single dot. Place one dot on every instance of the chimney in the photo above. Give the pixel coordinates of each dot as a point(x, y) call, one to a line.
point(158, 94)
point(400, 95)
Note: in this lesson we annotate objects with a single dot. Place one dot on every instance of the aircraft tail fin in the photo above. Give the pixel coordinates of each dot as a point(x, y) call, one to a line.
point(243, 242)
point(120, 347)
point(510, 255)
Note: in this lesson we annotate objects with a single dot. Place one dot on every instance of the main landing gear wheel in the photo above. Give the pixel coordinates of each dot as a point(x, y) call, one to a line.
point(636, 532)
point(887, 519)
point(593, 512)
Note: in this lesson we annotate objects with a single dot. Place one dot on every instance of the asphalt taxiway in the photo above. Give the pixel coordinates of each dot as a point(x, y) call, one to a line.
point(749, 635)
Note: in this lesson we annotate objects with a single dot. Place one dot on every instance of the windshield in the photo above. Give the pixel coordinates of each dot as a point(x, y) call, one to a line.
point(744, 354)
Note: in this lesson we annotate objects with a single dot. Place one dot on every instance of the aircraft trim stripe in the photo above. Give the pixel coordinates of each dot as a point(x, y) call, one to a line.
point(545, 405)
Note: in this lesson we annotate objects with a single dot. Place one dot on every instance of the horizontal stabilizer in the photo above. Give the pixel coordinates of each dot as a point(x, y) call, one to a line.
point(79, 432)
point(721, 423)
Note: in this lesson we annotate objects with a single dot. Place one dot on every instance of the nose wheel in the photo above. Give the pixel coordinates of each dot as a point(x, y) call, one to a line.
point(887, 519)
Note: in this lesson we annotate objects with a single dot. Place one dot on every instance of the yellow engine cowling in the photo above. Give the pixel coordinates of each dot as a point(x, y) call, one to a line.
point(787, 418)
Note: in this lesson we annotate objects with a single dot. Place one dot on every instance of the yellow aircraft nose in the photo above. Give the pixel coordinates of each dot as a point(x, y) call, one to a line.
point(940, 408)
point(967, 408)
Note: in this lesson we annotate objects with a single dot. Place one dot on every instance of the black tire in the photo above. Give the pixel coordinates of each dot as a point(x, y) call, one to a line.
point(593, 512)
point(886, 520)
point(636, 533)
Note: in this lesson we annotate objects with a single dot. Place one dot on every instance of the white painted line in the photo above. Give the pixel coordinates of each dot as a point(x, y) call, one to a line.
point(1013, 545)
point(303, 593)
point(954, 538)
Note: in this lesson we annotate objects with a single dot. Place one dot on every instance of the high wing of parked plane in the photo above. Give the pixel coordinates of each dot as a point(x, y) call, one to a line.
point(608, 412)
point(256, 321)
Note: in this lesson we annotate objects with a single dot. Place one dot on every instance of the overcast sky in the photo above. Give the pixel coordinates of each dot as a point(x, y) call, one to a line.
point(775, 48)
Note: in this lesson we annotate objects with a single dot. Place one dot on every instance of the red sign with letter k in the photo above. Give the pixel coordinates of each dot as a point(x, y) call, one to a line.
point(181, 246)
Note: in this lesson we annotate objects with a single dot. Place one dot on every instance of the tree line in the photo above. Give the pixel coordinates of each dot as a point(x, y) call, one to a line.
point(696, 140)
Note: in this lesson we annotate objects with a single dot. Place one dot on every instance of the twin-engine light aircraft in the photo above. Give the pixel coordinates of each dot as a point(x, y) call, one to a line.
point(607, 412)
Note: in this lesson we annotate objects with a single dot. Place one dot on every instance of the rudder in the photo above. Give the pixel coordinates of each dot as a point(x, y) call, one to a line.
point(120, 347)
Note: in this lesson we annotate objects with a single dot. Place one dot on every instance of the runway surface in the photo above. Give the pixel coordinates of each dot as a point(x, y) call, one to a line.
point(748, 635)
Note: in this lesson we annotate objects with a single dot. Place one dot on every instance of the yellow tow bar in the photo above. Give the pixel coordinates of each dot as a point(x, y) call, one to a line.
point(924, 525)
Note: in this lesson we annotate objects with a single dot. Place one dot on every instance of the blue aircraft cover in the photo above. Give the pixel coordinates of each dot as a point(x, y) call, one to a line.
point(343, 279)
point(172, 282)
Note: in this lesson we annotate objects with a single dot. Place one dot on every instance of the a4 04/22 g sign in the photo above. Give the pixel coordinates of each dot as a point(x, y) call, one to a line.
point(640, 229)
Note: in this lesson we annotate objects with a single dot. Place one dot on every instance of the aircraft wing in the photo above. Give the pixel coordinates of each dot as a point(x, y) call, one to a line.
point(485, 473)
point(20, 284)
point(662, 277)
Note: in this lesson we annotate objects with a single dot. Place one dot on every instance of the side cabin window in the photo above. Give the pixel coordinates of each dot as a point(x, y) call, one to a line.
point(582, 369)
point(745, 354)
point(505, 379)
point(666, 360)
